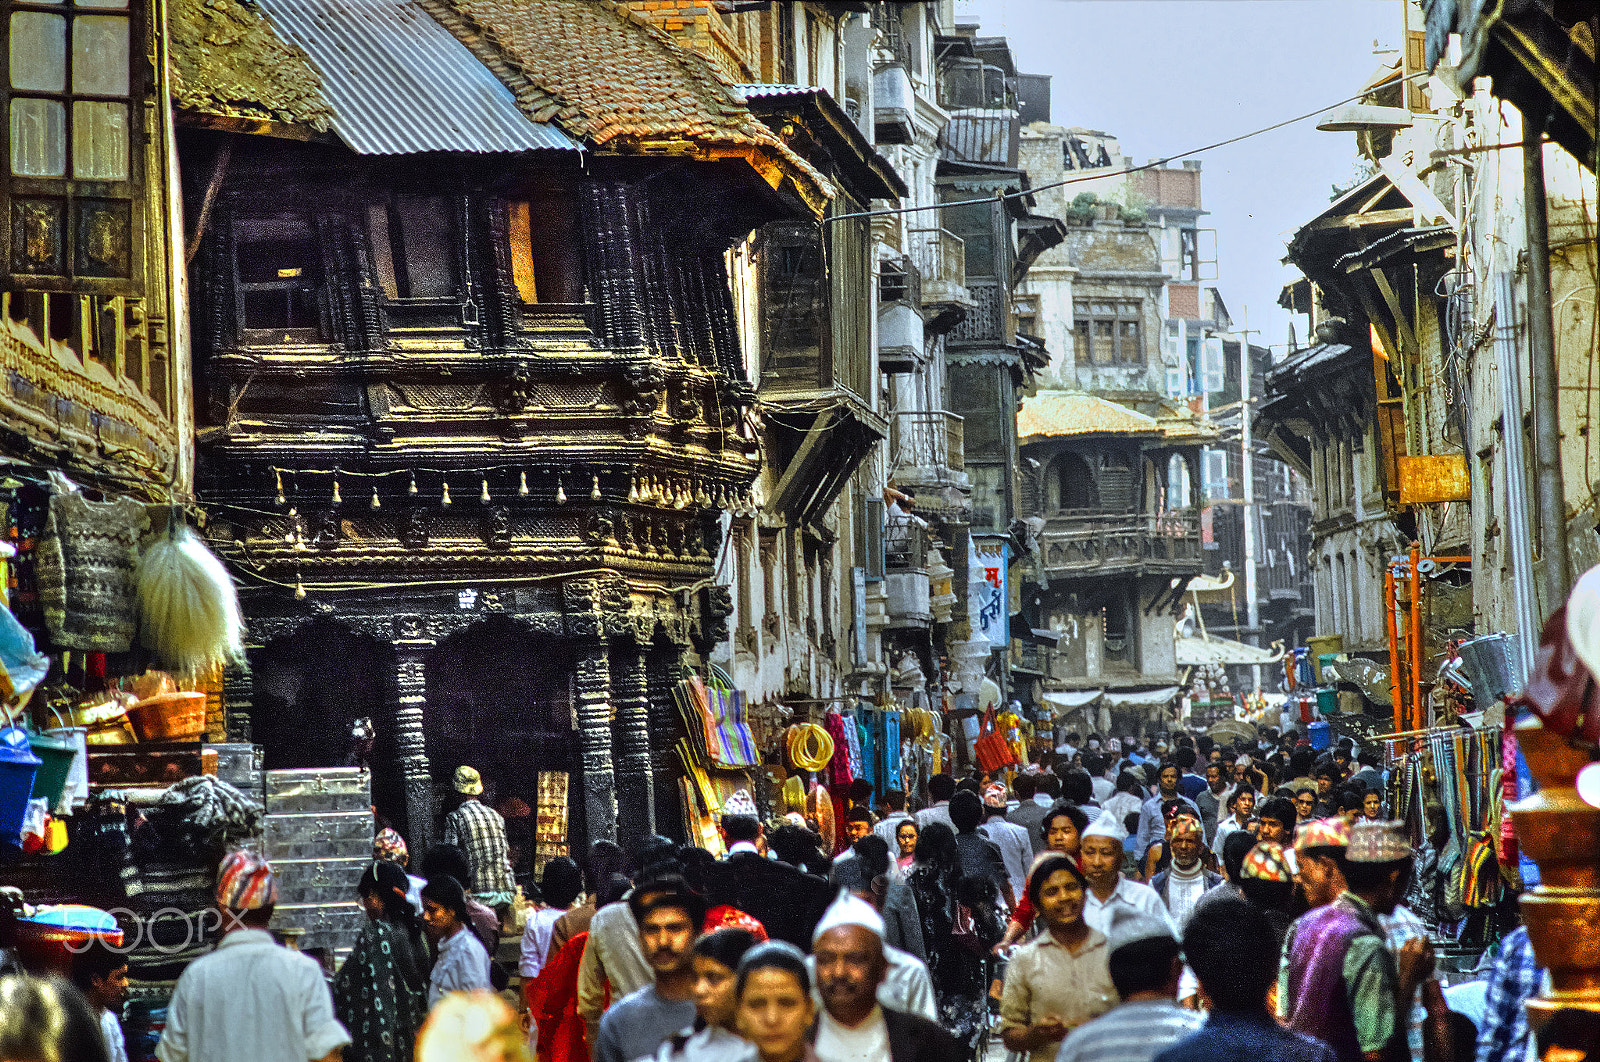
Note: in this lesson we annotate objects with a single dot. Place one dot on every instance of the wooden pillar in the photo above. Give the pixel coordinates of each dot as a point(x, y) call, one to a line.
point(238, 700)
point(636, 799)
point(598, 777)
point(611, 221)
point(410, 742)
point(666, 726)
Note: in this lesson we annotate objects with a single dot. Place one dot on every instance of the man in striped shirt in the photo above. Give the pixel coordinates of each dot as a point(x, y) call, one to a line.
point(1145, 966)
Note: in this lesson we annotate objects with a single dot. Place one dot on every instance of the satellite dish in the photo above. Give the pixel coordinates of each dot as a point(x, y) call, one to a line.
point(1426, 565)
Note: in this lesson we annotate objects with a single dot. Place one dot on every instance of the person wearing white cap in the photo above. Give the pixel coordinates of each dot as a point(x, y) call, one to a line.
point(1101, 850)
point(851, 965)
point(1145, 964)
point(906, 985)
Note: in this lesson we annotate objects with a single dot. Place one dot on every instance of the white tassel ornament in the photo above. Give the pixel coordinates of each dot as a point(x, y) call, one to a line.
point(188, 606)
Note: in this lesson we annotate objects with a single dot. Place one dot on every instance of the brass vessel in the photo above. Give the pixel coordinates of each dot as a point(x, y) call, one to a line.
point(1561, 833)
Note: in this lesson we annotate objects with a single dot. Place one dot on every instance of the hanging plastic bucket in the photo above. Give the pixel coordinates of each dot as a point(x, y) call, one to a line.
point(18, 767)
point(1328, 700)
point(55, 764)
point(1319, 735)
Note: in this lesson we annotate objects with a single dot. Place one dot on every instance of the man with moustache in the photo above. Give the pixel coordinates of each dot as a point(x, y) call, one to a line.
point(669, 916)
point(853, 1025)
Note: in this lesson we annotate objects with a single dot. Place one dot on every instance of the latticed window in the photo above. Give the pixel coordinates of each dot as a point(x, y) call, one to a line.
point(71, 170)
point(1107, 332)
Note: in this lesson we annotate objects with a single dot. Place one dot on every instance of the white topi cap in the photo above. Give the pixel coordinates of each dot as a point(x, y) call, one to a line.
point(849, 910)
point(1106, 826)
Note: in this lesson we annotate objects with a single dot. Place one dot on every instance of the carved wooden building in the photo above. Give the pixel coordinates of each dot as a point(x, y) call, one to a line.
point(470, 389)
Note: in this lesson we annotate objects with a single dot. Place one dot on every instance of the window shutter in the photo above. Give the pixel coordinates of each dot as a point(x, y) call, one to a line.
point(872, 527)
point(1213, 370)
point(1216, 475)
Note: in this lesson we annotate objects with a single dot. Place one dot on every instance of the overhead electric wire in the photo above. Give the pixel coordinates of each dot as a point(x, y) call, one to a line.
point(1104, 172)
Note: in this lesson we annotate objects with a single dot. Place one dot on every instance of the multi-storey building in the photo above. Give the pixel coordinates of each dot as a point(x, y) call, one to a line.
point(473, 394)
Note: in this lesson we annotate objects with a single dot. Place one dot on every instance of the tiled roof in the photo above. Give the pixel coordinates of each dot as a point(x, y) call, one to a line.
point(1055, 414)
point(228, 62)
point(600, 71)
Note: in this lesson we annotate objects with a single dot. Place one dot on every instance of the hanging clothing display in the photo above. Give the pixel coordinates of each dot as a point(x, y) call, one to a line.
point(85, 567)
point(1446, 786)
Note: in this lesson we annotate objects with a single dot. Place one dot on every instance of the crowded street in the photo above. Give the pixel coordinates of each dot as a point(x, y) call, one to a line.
point(799, 531)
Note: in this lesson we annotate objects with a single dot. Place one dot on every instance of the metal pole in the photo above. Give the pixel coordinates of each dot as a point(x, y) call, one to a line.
point(1519, 534)
point(1542, 359)
point(1391, 618)
point(1414, 636)
point(1246, 453)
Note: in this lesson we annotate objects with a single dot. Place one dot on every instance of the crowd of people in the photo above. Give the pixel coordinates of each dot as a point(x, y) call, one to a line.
point(1116, 901)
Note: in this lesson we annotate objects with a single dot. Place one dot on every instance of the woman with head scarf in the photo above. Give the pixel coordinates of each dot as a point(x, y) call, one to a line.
point(956, 932)
point(380, 993)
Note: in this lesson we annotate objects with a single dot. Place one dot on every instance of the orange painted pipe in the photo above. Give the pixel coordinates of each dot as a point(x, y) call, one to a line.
point(1415, 634)
point(1389, 610)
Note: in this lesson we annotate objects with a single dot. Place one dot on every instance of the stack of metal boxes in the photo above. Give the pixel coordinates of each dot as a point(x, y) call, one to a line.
point(318, 836)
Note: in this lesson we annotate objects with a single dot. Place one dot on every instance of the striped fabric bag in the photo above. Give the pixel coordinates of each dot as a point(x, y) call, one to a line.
point(728, 739)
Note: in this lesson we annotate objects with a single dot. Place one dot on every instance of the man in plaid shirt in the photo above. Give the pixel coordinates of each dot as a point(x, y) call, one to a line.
point(1516, 977)
point(480, 832)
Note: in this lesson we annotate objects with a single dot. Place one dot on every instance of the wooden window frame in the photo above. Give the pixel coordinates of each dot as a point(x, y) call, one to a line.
point(1087, 319)
point(73, 192)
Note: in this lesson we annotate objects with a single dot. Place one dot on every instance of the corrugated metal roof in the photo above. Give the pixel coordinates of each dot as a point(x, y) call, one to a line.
point(399, 82)
point(756, 92)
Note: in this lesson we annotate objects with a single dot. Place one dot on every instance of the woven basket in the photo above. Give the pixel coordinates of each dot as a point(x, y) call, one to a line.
point(170, 717)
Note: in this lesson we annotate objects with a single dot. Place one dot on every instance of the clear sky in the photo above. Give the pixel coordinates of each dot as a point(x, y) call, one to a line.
point(1164, 76)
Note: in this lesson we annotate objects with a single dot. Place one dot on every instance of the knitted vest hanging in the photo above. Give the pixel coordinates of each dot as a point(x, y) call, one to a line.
point(86, 562)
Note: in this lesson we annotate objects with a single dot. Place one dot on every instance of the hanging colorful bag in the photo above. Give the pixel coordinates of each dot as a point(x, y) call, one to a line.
point(991, 749)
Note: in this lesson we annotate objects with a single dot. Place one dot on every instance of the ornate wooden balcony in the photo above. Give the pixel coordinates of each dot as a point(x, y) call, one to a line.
point(1078, 543)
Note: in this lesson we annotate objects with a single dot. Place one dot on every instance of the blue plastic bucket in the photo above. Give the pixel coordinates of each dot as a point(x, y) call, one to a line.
point(1318, 734)
point(18, 766)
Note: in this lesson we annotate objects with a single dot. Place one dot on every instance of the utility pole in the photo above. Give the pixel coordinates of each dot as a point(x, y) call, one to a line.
point(1247, 455)
point(1551, 491)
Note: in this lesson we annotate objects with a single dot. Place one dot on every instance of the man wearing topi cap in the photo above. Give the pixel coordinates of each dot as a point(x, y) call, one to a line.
point(250, 997)
point(1338, 981)
point(479, 831)
point(1109, 891)
point(850, 964)
point(1146, 964)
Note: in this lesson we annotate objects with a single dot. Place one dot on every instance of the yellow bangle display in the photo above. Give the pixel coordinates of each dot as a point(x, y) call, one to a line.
point(809, 746)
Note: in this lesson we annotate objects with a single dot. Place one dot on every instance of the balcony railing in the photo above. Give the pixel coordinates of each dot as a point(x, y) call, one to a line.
point(899, 280)
point(927, 439)
point(941, 256)
point(1089, 543)
point(905, 544)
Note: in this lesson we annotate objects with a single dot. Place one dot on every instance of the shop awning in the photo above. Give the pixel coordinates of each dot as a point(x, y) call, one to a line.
point(1067, 700)
point(1199, 652)
point(1140, 698)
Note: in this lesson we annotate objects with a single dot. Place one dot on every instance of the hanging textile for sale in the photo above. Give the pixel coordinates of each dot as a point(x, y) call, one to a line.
point(840, 768)
point(867, 735)
point(852, 745)
point(891, 751)
point(85, 563)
